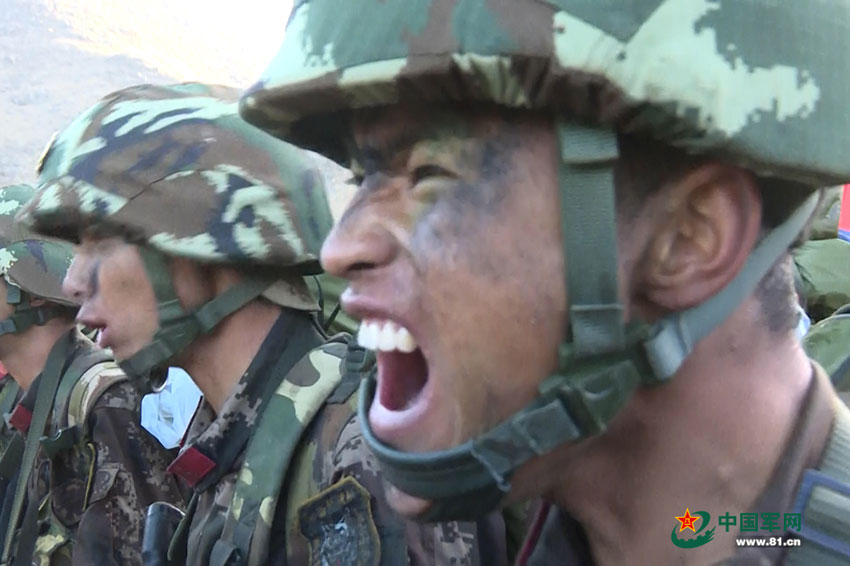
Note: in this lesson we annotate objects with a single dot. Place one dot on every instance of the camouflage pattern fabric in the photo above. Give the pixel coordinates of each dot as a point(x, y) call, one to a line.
point(32, 262)
point(660, 67)
point(822, 264)
point(825, 219)
point(94, 495)
point(176, 168)
point(828, 343)
point(823, 268)
point(330, 453)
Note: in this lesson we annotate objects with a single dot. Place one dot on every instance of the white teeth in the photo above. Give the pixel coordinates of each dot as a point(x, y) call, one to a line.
point(385, 336)
point(404, 341)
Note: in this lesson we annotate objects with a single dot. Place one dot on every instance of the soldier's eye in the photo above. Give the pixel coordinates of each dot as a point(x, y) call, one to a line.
point(429, 171)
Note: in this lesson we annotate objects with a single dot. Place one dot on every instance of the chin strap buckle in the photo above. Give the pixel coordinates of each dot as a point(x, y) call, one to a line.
point(593, 389)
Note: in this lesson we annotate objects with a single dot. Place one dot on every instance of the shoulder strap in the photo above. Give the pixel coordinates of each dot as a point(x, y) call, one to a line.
point(823, 501)
point(83, 373)
point(48, 384)
point(247, 529)
point(13, 449)
point(88, 389)
point(8, 395)
point(87, 377)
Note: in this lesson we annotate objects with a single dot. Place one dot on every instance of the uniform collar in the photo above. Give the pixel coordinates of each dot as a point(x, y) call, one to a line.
point(214, 444)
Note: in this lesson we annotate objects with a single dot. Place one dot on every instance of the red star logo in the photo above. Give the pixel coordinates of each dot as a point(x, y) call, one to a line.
point(688, 520)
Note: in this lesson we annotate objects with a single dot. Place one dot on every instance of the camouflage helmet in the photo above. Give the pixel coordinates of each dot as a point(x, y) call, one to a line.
point(176, 168)
point(34, 263)
point(759, 85)
point(177, 171)
point(33, 266)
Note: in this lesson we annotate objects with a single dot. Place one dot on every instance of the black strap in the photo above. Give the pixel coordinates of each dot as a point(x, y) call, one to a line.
point(28, 536)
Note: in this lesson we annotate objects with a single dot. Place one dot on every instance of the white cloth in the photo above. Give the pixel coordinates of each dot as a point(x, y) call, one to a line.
point(803, 323)
point(167, 414)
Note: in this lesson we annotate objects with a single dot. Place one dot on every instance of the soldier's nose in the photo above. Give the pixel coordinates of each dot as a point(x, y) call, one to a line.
point(349, 249)
point(75, 285)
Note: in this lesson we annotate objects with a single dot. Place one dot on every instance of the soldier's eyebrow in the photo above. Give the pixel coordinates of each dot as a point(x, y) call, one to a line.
point(378, 155)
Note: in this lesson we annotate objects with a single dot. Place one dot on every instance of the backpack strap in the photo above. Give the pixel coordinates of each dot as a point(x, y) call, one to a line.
point(49, 382)
point(85, 380)
point(10, 461)
point(246, 536)
point(8, 396)
point(824, 502)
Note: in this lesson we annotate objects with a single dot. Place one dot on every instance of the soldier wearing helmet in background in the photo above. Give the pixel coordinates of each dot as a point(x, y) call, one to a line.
point(195, 231)
point(610, 189)
point(83, 468)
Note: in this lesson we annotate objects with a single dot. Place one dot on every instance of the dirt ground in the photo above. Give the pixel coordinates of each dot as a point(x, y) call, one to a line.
point(57, 57)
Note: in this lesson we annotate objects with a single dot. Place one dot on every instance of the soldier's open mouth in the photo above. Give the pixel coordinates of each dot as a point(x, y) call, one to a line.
point(401, 378)
point(402, 368)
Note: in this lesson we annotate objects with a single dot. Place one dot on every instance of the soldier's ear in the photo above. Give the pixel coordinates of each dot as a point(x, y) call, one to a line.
point(710, 222)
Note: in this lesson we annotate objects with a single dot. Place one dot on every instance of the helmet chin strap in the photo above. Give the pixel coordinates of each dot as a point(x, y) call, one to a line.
point(599, 367)
point(178, 327)
point(25, 314)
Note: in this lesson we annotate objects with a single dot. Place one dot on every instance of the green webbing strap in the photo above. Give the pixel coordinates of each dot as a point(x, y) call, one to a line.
point(589, 232)
point(175, 335)
point(10, 461)
point(8, 396)
point(27, 316)
point(824, 502)
point(65, 437)
point(178, 546)
point(576, 403)
point(177, 327)
point(263, 471)
point(24, 314)
point(158, 272)
point(44, 401)
point(676, 335)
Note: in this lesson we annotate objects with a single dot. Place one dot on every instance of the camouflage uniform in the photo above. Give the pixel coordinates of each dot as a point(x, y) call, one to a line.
point(87, 495)
point(95, 515)
point(822, 267)
point(176, 169)
point(330, 451)
point(759, 83)
point(822, 263)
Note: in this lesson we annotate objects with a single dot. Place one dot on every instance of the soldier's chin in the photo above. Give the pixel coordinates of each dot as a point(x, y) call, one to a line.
point(405, 504)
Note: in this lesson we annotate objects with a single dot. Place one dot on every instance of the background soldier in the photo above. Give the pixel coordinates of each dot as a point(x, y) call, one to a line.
point(822, 263)
point(655, 160)
point(87, 468)
point(196, 230)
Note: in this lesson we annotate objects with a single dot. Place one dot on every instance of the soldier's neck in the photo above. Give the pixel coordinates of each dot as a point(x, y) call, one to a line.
point(707, 441)
point(218, 360)
point(25, 354)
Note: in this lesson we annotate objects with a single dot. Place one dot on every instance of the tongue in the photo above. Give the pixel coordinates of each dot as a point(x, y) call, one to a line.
point(400, 378)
